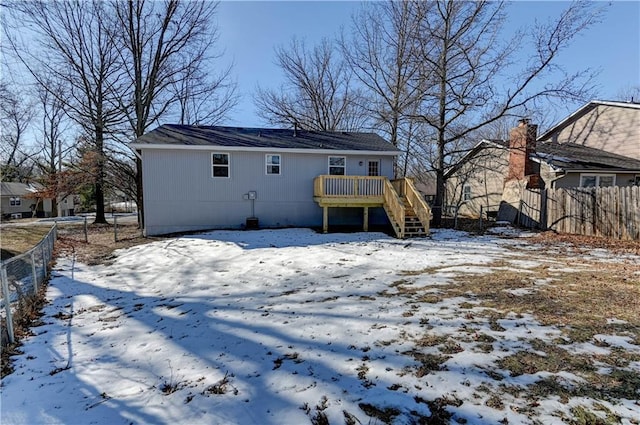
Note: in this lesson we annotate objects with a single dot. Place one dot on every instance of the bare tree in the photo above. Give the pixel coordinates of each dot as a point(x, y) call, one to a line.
point(16, 116)
point(471, 79)
point(166, 52)
point(76, 47)
point(379, 50)
point(203, 98)
point(630, 93)
point(318, 93)
point(52, 148)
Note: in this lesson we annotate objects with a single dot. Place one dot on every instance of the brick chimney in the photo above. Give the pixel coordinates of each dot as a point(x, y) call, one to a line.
point(522, 144)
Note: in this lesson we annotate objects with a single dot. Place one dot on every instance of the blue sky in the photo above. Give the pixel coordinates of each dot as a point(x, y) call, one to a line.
point(249, 31)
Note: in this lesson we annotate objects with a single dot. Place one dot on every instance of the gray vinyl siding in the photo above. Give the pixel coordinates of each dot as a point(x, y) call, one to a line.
point(180, 193)
point(572, 179)
point(25, 207)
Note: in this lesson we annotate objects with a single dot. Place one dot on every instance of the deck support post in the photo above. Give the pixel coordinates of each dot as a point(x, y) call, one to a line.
point(365, 226)
point(325, 219)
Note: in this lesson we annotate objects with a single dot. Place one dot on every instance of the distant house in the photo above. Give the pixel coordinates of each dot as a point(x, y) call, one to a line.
point(197, 178)
point(20, 200)
point(496, 171)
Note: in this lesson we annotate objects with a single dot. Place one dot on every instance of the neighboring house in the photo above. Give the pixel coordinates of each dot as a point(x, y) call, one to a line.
point(495, 172)
point(476, 182)
point(68, 205)
point(19, 200)
point(609, 126)
point(197, 178)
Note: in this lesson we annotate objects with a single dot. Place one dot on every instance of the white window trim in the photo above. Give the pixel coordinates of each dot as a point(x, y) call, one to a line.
point(15, 201)
point(597, 176)
point(343, 166)
point(267, 164)
point(228, 176)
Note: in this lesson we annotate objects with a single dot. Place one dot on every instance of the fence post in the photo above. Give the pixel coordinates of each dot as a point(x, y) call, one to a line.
point(115, 225)
point(7, 304)
point(480, 221)
point(455, 219)
point(86, 233)
point(44, 261)
point(519, 221)
point(33, 272)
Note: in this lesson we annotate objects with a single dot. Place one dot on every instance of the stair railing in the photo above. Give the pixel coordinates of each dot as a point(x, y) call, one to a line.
point(420, 207)
point(395, 208)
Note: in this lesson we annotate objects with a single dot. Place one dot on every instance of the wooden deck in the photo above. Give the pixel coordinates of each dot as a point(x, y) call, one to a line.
point(408, 213)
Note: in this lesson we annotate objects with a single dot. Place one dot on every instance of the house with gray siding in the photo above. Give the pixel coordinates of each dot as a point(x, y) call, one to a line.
point(496, 171)
point(213, 177)
point(21, 200)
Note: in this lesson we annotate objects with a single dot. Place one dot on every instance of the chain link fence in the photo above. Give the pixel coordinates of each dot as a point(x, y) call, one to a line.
point(22, 277)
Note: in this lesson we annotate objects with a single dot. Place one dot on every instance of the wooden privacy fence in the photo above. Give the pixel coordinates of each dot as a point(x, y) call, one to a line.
point(612, 212)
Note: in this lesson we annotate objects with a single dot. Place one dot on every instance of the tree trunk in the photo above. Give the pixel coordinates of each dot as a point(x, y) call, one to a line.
point(99, 184)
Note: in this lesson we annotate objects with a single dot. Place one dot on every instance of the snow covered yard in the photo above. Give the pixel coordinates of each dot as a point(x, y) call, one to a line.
point(293, 327)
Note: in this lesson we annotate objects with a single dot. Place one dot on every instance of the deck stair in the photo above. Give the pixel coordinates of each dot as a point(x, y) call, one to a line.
point(408, 214)
point(413, 227)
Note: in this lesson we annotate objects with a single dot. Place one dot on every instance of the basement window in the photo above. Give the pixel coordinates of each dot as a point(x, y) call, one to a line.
point(15, 201)
point(337, 165)
point(597, 180)
point(273, 164)
point(220, 163)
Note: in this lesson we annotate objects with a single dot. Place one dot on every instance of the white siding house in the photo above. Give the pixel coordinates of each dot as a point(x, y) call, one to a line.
point(197, 178)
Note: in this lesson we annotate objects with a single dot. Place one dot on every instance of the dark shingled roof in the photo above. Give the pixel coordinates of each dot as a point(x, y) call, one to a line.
point(188, 135)
point(563, 156)
point(570, 156)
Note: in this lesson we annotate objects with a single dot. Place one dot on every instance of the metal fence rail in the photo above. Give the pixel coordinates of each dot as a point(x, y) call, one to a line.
point(21, 277)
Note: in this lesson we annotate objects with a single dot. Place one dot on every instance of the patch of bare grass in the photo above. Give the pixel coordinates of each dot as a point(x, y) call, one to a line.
point(617, 384)
point(580, 303)
point(431, 340)
point(18, 240)
point(428, 362)
point(554, 360)
point(586, 243)
point(386, 414)
point(101, 243)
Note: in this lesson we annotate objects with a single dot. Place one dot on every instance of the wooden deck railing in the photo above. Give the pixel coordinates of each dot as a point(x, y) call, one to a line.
point(349, 186)
point(374, 191)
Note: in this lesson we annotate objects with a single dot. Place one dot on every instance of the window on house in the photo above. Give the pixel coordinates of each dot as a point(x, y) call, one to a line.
point(597, 180)
point(466, 192)
point(220, 163)
point(273, 164)
point(637, 180)
point(374, 168)
point(15, 201)
point(337, 165)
